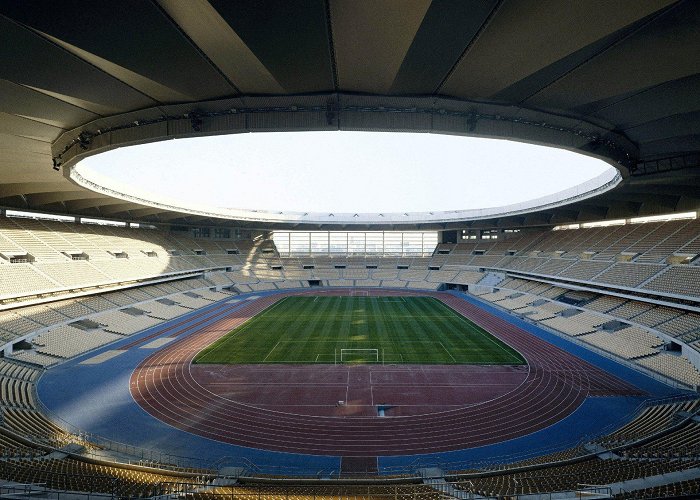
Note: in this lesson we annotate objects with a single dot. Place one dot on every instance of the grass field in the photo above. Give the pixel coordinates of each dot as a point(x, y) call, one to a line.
point(418, 330)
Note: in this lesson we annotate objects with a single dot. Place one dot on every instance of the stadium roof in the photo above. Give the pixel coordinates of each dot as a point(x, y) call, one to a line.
point(617, 80)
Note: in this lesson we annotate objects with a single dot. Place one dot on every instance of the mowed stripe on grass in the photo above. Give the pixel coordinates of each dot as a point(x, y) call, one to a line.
point(321, 329)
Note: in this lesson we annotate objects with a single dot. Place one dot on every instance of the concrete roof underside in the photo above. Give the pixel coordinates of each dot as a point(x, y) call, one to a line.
point(617, 80)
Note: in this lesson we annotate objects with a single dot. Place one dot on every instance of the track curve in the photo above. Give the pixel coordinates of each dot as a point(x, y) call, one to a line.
point(557, 383)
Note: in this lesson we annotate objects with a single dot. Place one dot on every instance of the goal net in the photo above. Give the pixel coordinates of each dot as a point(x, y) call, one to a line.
point(358, 356)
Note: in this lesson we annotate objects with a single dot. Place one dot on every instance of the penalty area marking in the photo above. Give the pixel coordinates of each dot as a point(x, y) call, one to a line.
point(489, 336)
point(391, 300)
point(492, 338)
point(268, 354)
point(448, 352)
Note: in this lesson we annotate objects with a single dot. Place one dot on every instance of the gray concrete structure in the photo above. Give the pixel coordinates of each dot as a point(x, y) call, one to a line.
point(616, 80)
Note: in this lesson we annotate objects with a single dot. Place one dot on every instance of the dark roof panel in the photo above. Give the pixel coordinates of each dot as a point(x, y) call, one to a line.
point(619, 80)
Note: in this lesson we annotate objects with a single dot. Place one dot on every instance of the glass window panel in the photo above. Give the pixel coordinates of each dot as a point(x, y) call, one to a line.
point(371, 242)
point(319, 242)
point(375, 242)
point(430, 241)
point(339, 242)
point(281, 241)
point(299, 242)
point(393, 243)
point(413, 242)
point(356, 242)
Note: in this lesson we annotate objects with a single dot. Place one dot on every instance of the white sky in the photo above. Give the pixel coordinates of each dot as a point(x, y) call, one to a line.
point(344, 171)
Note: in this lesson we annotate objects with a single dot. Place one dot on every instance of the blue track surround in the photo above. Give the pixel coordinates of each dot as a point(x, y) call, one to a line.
point(96, 399)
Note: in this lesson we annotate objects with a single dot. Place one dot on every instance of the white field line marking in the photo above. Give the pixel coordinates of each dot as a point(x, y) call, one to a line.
point(268, 354)
point(491, 338)
point(448, 352)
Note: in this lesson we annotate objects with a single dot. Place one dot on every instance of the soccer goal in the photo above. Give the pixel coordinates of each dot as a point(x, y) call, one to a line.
point(357, 356)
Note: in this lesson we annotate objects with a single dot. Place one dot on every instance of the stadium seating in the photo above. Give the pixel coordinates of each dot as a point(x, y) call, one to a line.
point(680, 324)
point(629, 343)
point(569, 477)
point(628, 257)
point(22, 278)
point(61, 256)
point(107, 322)
point(675, 367)
point(74, 475)
point(661, 438)
point(393, 284)
point(650, 420)
point(605, 303)
point(637, 333)
point(575, 325)
point(66, 341)
point(626, 274)
point(677, 280)
point(682, 489)
point(368, 283)
point(553, 253)
point(594, 255)
point(13, 325)
point(18, 371)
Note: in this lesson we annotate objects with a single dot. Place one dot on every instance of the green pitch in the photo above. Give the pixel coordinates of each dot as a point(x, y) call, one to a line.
point(418, 330)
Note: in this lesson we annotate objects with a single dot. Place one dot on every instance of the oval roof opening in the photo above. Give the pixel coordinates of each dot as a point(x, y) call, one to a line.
point(343, 172)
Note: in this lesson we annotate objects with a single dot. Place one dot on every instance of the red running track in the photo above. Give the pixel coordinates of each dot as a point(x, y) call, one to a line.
point(556, 384)
point(400, 389)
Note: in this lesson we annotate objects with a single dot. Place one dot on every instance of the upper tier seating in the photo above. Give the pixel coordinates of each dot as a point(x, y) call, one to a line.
point(39, 256)
point(679, 280)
